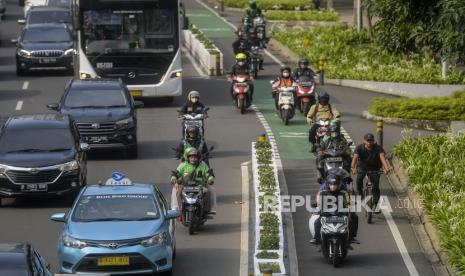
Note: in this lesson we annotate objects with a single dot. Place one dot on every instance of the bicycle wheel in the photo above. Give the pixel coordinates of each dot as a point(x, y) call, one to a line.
point(369, 194)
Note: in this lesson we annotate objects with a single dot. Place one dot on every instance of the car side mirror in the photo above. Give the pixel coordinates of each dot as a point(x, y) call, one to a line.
point(14, 41)
point(172, 214)
point(22, 21)
point(138, 104)
point(59, 217)
point(84, 146)
point(53, 106)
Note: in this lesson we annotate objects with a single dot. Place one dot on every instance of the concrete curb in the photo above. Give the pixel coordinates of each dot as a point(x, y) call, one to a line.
point(210, 60)
point(411, 123)
point(424, 230)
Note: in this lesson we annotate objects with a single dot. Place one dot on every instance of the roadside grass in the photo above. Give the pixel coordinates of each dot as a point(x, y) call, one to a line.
point(351, 55)
point(451, 108)
point(309, 15)
point(435, 172)
point(272, 4)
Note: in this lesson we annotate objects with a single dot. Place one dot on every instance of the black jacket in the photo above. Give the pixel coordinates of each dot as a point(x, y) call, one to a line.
point(189, 107)
point(240, 70)
point(303, 72)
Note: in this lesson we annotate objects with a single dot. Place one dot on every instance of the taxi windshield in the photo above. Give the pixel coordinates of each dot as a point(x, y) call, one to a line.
point(115, 207)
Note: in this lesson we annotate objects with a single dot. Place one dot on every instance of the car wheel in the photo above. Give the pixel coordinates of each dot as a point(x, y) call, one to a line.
point(167, 273)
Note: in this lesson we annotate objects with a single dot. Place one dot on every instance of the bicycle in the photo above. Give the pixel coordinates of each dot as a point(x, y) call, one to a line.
point(368, 193)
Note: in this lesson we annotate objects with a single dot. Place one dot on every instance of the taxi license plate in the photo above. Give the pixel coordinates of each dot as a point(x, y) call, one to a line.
point(136, 93)
point(113, 261)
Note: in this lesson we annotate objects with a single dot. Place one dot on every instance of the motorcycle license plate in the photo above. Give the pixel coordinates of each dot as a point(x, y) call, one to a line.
point(113, 261)
point(334, 159)
point(190, 189)
point(335, 220)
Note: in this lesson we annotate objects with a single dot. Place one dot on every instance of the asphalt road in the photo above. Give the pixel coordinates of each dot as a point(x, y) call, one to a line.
point(215, 250)
point(378, 253)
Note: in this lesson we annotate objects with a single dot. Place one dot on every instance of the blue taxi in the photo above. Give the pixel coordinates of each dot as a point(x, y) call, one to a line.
point(120, 228)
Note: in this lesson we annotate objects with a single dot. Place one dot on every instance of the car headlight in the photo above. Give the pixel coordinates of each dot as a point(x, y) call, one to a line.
point(2, 169)
point(155, 240)
point(70, 166)
point(126, 123)
point(24, 53)
point(69, 241)
point(84, 76)
point(69, 52)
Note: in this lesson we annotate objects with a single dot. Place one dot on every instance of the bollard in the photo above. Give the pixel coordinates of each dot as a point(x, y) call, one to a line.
point(221, 5)
point(218, 63)
point(321, 68)
point(267, 272)
point(262, 138)
point(380, 131)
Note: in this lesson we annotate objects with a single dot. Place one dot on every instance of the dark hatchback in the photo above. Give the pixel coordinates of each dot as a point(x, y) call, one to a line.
point(104, 112)
point(41, 154)
point(44, 46)
point(18, 259)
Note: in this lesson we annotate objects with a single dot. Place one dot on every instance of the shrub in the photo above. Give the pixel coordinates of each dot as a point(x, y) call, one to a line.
point(310, 15)
point(272, 4)
point(274, 267)
point(269, 241)
point(267, 255)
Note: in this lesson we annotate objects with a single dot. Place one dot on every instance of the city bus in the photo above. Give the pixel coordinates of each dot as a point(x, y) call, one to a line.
point(138, 41)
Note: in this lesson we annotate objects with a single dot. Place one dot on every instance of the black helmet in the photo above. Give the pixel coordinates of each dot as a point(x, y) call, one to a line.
point(334, 128)
point(323, 96)
point(192, 132)
point(303, 63)
point(334, 182)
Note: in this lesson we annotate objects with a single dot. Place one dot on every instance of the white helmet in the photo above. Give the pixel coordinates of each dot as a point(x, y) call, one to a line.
point(193, 94)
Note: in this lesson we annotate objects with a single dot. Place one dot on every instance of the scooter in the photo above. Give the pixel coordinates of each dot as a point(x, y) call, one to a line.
point(241, 92)
point(286, 103)
point(254, 57)
point(305, 93)
point(193, 119)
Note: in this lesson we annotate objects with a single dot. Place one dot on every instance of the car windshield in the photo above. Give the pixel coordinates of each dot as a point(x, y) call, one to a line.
point(46, 35)
point(115, 207)
point(36, 140)
point(38, 17)
point(77, 98)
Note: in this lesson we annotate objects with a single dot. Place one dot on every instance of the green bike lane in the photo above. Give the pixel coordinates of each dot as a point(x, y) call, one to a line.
point(378, 253)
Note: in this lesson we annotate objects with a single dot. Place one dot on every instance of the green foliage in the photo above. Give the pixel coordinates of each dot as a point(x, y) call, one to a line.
point(434, 167)
point(267, 255)
point(450, 108)
point(269, 241)
point(202, 37)
point(311, 15)
point(269, 220)
point(351, 55)
point(272, 4)
point(274, 267)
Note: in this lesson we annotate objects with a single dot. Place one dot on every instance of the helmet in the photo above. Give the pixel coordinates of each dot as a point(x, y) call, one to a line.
point(193, 94)
point(192, 152)
point(241, 56)
point(334, 182)
point(253, 5)
point(335, 129)
point(323, 97)
point(192, 132)
point(303, 63)
point(283, 72)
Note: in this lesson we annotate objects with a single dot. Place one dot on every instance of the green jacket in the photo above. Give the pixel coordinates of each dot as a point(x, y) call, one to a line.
point(338, 143)
point(201, 171)
point(254, 12)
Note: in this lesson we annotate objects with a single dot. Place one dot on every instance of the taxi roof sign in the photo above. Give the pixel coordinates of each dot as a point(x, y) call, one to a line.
point(118, 179)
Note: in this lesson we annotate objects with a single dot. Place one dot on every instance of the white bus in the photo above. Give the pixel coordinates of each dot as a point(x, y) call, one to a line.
point(138, 41)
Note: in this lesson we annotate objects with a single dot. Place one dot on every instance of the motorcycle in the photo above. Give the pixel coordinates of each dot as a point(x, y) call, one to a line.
point(333, 159)
point(254, 60)
point(286, 103)
point(334, 235)
point(260, 26)
point(193, 119)
point(322, 130)
point(241, 90)
point(305, 93)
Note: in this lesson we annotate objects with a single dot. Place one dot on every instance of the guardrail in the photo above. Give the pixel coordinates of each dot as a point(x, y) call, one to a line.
point(208, 56)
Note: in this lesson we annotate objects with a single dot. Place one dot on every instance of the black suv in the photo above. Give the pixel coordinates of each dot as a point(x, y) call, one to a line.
point(104, 112)
point(41, 154)
point(44, 46)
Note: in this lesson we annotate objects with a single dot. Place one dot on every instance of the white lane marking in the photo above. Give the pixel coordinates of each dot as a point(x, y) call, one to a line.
point(194, 63)
point(400, 244)
point(244, 257)
point(19, 105)
point(25, 85)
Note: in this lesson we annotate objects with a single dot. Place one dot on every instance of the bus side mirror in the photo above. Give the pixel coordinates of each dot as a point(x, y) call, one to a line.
point(185, 23)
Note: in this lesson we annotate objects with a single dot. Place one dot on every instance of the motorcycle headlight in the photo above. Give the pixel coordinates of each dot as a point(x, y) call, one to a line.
point(70, 166)
point(155, 240)
point(2, 169)
point(126, 123)
point(69, 241)
point(69, 52)
point(24, 53)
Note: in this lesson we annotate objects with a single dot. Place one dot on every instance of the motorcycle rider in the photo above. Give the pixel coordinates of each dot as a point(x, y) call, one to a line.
point(241, 67)
point(253, 11)
point(333, 189)
point(320, 110)
point(198, 170)
point(241, 44)
point(193, 140)
point(303, 70)
point(193, 104)
point(369, 156)
point(333, 140)
point(255, 41)
point(285, 79)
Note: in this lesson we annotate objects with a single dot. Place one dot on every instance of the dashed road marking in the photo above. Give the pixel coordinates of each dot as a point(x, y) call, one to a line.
point(25, 85)
point(19, 105)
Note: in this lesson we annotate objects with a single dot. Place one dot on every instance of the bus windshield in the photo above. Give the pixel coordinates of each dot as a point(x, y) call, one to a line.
point(109, 31)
